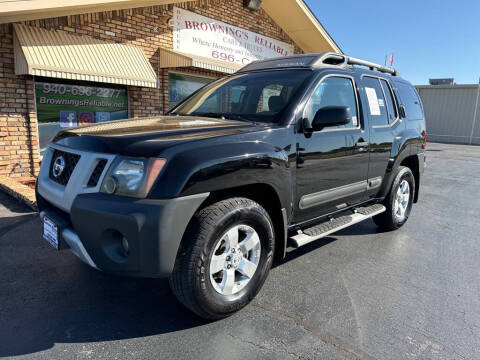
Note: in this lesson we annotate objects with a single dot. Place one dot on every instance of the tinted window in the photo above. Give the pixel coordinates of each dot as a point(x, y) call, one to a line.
point(333, 91)
point(411, 101)
point(392, 110)
point(376, 106)
point(254, 96)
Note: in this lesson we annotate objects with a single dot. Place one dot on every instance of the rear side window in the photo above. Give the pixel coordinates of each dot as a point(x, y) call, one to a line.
point(377, 108)
point(410, 100)
point(392, 110)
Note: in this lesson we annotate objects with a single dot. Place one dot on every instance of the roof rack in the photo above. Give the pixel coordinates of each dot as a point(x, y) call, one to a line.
point(331, 58)
point(326, 59)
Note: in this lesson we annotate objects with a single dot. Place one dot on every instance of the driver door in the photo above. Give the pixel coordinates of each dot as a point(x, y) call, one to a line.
point(332, 164)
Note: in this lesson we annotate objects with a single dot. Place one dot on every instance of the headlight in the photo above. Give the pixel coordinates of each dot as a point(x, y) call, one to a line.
point(132, 177)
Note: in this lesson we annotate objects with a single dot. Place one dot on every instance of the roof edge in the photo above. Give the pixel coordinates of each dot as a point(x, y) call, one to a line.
point(41, 9)
point(319, 24)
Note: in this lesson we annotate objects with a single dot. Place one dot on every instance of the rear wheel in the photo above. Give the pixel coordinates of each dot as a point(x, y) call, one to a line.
point(225, 257)
point(398, 201)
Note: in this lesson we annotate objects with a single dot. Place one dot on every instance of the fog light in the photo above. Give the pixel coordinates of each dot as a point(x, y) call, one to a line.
point(125, 245)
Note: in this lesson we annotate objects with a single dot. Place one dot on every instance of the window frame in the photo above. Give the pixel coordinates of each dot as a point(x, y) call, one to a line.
point(395, 103)
point(355, 91)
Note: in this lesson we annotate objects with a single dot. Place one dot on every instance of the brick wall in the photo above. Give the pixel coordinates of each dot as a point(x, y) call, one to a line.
point(145, 28)
point(18, 123)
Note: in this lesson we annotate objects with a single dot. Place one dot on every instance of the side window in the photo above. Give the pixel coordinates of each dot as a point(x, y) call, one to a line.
point(392, 110)
point(376, 101)
point(333, 91)
point(411, 101)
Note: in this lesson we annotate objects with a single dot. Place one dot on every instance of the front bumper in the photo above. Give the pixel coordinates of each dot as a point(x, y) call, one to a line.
point(97, 224)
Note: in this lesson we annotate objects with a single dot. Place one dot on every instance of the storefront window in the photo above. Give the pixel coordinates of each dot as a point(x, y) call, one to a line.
point(64, 105)
point(181, 85)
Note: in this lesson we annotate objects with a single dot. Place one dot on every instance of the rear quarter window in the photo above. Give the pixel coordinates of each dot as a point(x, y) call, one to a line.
point(409, 98)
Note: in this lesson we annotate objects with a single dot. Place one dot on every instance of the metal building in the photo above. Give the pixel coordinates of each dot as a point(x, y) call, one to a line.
point(452, 113)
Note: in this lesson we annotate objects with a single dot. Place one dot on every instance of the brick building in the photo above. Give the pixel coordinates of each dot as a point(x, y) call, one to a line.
point(92, 61)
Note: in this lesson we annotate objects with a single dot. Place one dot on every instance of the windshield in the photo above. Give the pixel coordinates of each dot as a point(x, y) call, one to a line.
point(254, 96)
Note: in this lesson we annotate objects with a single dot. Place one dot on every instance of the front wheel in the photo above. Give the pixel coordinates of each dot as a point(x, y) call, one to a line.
point(398, 201)
point(225, 257)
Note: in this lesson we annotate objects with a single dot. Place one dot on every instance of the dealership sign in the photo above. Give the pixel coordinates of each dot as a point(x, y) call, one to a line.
point(69, 105)
point(202, 36)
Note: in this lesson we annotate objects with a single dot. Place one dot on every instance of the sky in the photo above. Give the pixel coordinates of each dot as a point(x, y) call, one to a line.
point(430, 39)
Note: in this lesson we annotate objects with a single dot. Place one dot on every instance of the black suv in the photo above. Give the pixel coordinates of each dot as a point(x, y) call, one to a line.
point(279, 154)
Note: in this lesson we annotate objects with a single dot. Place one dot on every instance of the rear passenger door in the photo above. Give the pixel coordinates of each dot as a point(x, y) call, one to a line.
point(384, 125)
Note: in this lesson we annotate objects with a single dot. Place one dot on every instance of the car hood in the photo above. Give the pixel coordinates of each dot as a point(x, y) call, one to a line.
point(149, 136)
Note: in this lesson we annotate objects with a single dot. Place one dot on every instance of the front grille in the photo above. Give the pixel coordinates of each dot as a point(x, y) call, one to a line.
point(70, 161)
point(97, 172)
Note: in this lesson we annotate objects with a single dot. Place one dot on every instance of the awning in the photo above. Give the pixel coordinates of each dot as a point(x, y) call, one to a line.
point(58, 54)
point(172, 59)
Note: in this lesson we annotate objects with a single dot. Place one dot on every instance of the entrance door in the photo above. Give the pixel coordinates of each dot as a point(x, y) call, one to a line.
point(332, 163)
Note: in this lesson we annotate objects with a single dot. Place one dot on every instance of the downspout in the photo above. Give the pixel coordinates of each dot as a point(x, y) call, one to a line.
point(475, 113)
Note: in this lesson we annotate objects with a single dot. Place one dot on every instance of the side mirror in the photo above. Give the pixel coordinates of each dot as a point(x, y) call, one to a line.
point(331, 116)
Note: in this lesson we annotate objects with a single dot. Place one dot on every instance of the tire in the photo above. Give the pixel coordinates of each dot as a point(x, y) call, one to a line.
point(207, 247)
point(397, 213)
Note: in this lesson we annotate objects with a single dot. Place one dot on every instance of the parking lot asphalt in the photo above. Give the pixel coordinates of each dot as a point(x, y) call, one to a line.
point(359, 294)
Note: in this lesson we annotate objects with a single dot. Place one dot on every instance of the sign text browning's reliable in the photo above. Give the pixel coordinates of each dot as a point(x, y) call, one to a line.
point(202, 36)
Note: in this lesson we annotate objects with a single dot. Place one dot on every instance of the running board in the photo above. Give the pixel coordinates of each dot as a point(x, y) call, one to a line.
point(326, 228)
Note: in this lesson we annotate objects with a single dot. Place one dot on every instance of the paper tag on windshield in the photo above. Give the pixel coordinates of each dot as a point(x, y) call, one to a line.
point(372, 101)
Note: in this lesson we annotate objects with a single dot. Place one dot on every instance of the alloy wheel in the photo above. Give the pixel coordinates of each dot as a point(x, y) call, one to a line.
point(235, 259)
point(402, 199)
